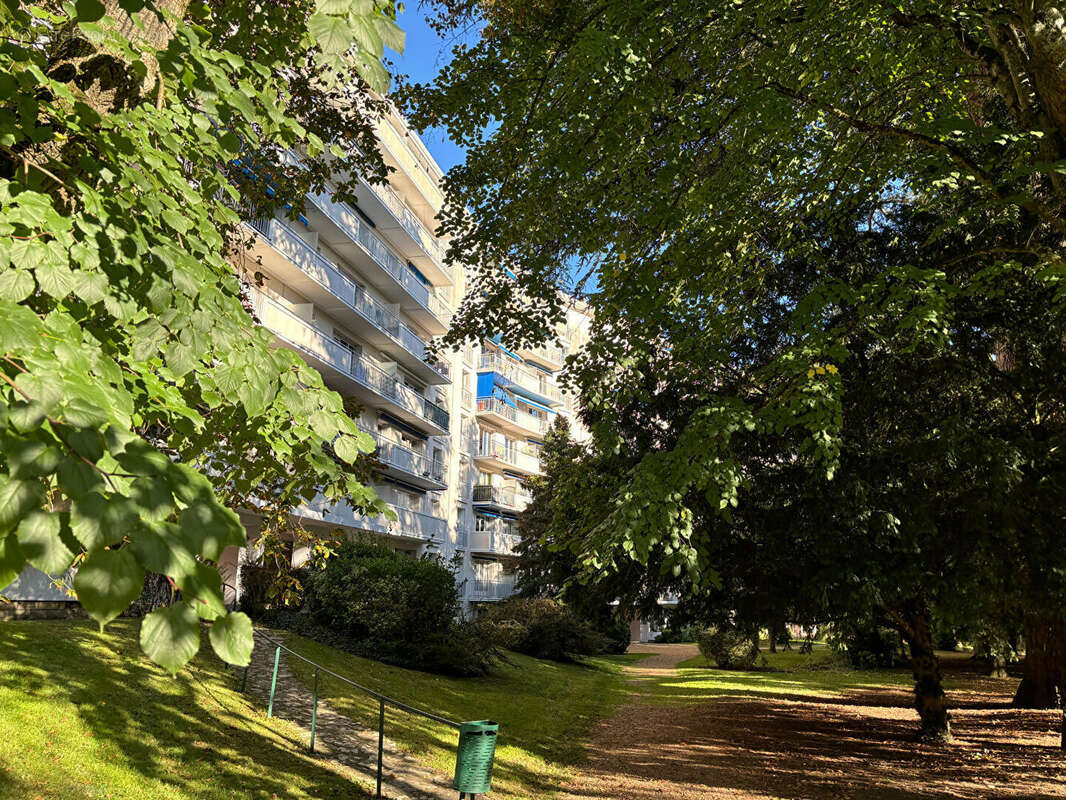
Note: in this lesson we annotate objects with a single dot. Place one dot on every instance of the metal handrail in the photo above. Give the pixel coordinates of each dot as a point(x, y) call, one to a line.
point(383, 700)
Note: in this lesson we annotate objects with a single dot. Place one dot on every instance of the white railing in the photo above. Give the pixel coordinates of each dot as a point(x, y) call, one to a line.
point(530, 379)
point(495, 538)
point(328, 275)
point(547, 352)
point(527, 462)
point(305, 336)
point(493, 405)
point(491, 588)
point(504, 496)
point(404, 458)
point(411, 223)
point(359, 232)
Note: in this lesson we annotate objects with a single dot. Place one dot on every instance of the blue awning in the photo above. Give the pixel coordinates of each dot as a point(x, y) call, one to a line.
point(479, 513)
point(537, 404)
point(500, 394)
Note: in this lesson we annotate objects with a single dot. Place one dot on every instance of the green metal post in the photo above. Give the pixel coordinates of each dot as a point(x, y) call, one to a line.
point(244, 680)
point(274, 681)
point(381, 739)
point(314, 710)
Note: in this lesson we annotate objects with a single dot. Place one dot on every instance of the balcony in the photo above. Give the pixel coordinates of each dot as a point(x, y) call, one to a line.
point(413, 239)
point(340, 227)
point(494, 539)
point(503, 457)
point(503, 497)
point(398, 461)
point(549, 355)
point(494, 410)
point(348, 372)
point(523, 379)
point(296, 262)
point(490, 589)
point(409, 525)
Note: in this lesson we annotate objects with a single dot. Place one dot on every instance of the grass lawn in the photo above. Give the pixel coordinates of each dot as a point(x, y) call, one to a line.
point(545, 710)
point(85, 715)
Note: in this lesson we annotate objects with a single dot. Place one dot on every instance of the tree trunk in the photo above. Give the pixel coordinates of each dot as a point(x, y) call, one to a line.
point(929, 698)
point(773, 638)
point(1038, 688)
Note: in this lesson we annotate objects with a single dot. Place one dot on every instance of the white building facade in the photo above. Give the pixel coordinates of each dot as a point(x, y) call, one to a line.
point(358, 290)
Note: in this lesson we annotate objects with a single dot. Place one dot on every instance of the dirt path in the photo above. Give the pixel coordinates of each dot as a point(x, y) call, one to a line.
point(859, 746)
point(337, 736)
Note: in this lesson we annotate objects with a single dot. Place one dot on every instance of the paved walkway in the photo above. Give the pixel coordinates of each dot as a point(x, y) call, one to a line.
point(337, 736)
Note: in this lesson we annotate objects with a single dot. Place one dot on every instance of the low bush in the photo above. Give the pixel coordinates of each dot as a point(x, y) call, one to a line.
point(728, 647)
point(618, 637)
point(675, 636)
point(541, 628)
point(866, 646)
point(377, 603)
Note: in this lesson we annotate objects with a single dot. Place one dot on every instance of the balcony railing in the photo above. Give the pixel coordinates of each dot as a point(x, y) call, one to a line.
point(359, 232)
point(494, 537)
point(510, 455)
point(327, 274)
point(411, 223)
point(529, 379)
point(305, 336)
point(547, 352)
point(493, 405)
point(491, 588)
point(404, 458)
point(468, 398)
point(504, 496)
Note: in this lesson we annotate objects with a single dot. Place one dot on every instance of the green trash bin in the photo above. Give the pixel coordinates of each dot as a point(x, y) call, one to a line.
point(473, 759)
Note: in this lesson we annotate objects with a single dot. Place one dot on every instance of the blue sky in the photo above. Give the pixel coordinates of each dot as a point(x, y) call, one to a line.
point(422, 58)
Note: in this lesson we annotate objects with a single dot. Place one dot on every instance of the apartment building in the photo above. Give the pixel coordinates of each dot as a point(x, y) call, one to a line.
point(358, 290)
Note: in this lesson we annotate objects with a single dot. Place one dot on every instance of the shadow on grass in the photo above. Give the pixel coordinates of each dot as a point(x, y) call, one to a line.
point(84, 711)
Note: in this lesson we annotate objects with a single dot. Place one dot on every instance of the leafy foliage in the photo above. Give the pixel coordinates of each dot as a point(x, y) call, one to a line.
point(541, 628)
point(139, 396)
point(728, 647)
point(397, 609)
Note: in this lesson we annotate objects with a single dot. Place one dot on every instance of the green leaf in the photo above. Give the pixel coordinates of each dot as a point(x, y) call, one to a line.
point(210, 528)
point(202, 587)
point(331, 34)
point(12, 560)
point(89, 10)
point(171, 636)
point(231, 638)
point(346, 448)
point(17, 499)
point(97, 521)
point(16, 284)
point(107, 582)
point(39, 537)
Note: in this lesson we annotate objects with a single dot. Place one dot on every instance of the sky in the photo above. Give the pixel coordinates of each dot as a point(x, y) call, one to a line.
point(422, 58)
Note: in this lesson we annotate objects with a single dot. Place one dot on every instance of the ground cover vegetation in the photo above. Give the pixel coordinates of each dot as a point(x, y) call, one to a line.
point(824, 248)
point(369, 600)
point(140, 401)
point(84, 715)
point(545, 709)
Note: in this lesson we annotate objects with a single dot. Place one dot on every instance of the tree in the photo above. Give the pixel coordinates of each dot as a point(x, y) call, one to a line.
point(139, 396)
point(572, 493)
point(684, 154)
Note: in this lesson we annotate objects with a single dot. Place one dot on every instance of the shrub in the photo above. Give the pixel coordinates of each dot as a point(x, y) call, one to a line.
point(541, 628)
point(675, 636)
point(617, 636)
point(866, 646)
point(728, 647)
point(393, 608)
